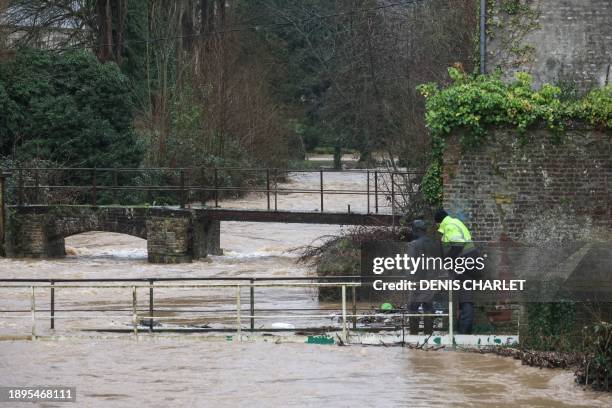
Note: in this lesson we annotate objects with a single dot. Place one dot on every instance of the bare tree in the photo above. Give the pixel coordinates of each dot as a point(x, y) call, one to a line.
point(373, 54)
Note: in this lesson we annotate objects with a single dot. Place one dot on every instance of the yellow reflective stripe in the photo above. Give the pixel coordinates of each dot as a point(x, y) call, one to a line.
point(459, 234)
point(453, 233)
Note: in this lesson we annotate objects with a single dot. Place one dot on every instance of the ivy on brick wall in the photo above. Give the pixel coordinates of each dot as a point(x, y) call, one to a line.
point(509, 22)
point(551, 327)
point(474, 103)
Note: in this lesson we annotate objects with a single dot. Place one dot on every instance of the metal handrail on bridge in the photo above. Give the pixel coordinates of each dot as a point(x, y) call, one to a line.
point(236, 282)
point(202, 181)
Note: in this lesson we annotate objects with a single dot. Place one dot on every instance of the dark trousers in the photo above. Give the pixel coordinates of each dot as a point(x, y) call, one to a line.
point(466, 317)
point(466, 298)
point(413, 321)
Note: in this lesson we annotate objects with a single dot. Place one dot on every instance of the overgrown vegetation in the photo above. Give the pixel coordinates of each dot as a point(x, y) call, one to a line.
point(551, 327)
point(339, 255)
point(596, 368)
point(67, 109)
point(345, 246)
point(472, 104)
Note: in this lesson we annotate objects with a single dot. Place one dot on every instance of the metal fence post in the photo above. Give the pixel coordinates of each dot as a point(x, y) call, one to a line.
point(202, 186)
point(354, 307)
point(368, 190)
point(376, 191)
point(147, 175)
point(37, 187)
point(182, 193)
point(321, 183)
point(115, 186)
point(61, 181)
point(344, 328)
point(268, 187)
point(20, 196)
point(2, 213)
point(216, 187)
point(403, 328)
point(33, 306)
point(52, 301)
point(238, 307)
point(94, 193)
point(392, 193)
point(134, 311)
point(151, 308)
point(252, 304)
point(451, 318)
point(275, 191)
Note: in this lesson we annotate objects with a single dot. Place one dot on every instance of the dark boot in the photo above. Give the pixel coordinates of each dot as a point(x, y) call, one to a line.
point(466, 318)
point(428, 322)
point(413, 324)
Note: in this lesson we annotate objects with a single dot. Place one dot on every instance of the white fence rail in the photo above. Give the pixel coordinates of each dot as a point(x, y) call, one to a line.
point(237, 314)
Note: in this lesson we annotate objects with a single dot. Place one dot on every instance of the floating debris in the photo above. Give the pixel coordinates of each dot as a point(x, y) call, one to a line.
point(281, 325)
point(541, 359)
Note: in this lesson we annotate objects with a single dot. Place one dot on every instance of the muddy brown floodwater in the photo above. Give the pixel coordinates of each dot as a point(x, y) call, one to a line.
point(191, 373)
point(163, 372)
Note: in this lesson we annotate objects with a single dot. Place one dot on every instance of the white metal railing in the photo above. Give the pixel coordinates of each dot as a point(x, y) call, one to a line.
point(238, 316)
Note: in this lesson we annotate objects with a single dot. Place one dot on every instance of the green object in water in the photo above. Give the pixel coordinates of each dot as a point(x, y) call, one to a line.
point(437, 340)
point(320, 340)
point(386, 307)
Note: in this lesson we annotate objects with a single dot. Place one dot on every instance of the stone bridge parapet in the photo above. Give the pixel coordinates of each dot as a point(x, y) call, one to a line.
point(173, 235)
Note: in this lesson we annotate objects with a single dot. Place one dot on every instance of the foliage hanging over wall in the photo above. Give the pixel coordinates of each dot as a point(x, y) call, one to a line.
point(475, 103)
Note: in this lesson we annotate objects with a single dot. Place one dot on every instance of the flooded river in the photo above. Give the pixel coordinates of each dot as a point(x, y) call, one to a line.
point(114, 373)
point(156, 371)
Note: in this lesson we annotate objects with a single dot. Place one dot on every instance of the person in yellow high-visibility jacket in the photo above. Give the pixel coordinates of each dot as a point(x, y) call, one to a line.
point(454, 232)
point(457, 243)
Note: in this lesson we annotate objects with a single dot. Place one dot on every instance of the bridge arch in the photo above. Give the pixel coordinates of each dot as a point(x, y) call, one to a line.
point(172, 235)
point(104, 221)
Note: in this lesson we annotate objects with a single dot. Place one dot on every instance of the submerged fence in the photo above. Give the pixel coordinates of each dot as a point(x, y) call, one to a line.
point(244, 319)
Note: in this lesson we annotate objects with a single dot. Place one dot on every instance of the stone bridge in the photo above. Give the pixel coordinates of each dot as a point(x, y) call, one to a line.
point(173, 235)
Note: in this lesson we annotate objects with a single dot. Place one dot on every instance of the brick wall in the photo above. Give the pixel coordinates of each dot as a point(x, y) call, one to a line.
point(571, 40)
point(535, 191)
point(169, 238)
point(36, 238)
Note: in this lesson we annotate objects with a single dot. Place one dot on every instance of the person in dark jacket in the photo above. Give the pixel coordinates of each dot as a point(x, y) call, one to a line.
point(422, 244)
